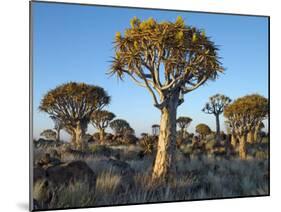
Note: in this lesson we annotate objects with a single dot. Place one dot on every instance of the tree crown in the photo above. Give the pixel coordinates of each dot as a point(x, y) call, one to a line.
point(119, 126)
point(203, 129)
point(246, 112)
point(49, 134)
point(72, 102)
point(216, 104)
point(101, 118)
point(183, 121)
point(189, 58)
point(251, 106)
point(155, 126)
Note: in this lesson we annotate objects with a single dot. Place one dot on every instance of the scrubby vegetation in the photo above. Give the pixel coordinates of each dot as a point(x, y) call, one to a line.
point(204, 170)
point(168, 164)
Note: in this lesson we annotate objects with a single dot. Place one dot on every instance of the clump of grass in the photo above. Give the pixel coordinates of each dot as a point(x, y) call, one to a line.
point(107, 182)
point(74, 195)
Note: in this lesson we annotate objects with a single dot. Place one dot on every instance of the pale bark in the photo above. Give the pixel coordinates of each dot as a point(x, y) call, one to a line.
point(256, 135)
point(164, 162)
point(102, 134)
point(242, 147)
point(250, 137)
point(79, 137)
point(233, 140)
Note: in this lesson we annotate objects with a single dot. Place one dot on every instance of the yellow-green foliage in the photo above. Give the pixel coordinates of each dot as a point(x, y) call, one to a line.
point(203, 129)
point(252, 106)
point(167, 43)
point(245, 113)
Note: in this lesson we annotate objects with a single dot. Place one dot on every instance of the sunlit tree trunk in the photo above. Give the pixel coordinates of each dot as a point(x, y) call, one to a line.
point(102, 133)
point(250, 137)
point(164, 162)
point(256, 134)
point(233, 140)
point(79, 133)
point(242, 146)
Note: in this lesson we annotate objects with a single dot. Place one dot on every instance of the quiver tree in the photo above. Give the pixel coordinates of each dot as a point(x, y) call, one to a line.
point(58, 126)
point(120, 126)
point(258, 130)
point(155, 129)
point(215, 106)
point(100, 120)
point(143, 135)
point(254, 133)
point(49, 134)
point(183, 123)
point(169, 60)
point(245, 114)
point(230, 130)
point(73, 104)
point(250, 136)
point(129, 131)
point(203, 130)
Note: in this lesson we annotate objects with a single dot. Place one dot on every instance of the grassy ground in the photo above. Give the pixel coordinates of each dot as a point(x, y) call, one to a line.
point(196, 178)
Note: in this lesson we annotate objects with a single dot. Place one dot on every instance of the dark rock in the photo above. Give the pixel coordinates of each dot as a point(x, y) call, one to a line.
point(71, 172)
point(47, 180)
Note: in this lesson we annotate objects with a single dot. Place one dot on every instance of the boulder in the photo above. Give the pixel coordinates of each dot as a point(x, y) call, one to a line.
point(47, 161)
point(47, 179)
point(71, 172)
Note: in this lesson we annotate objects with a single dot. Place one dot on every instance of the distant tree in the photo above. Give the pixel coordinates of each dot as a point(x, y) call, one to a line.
point(169, 60)
point(100, 120)
point(155, 129)
point(129, 131)
point(58, 126)
point(203, 130)
point(183, 123)
point(253, 134)
point(144, 135)
point(215, 106)
point(49, 134)
point(119, 126)
point(129, 136)
point(245, 114)
point(230, 130)
point(258, 130)
point(73, 104)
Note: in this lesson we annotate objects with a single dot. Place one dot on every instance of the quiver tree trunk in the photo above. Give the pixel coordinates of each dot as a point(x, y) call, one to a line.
point(233, 140)
point(79, 134)
point(58, 135)
point(256, 135)
point(250, 137)
point(164, 162)
point(242, 146)
point(102, 135)
point(217, 128)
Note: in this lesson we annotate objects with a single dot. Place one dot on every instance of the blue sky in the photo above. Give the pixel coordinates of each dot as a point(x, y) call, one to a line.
point(74, 43)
